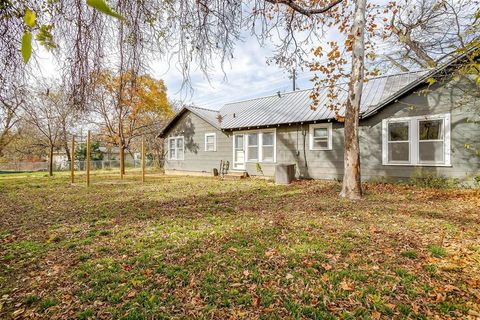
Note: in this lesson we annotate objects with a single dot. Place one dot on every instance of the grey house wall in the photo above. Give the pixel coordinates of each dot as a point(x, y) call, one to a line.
point(292, 142)
point(196, 159)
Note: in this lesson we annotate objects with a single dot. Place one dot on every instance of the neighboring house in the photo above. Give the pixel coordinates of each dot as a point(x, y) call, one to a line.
point(402, 132)
point(60, 158)
point(113, 153)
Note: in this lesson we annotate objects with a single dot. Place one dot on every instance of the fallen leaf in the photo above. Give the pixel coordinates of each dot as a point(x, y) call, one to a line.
point(18, 312)
point(326, 266)
point(346, 285)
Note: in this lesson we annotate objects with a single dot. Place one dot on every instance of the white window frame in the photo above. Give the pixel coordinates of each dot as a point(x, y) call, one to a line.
point(176, 148)
point(214, 135)
point(414, 140)
point(400, 120)
point(248, 146)
point(260, 144)
point(328, 126)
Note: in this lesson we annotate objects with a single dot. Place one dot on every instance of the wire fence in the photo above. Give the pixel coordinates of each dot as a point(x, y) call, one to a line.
point(78, 165)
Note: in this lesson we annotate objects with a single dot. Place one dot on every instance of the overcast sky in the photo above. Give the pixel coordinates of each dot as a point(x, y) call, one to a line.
point(246, 76)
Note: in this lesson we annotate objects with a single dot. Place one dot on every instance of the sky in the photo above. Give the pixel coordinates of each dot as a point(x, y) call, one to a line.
point(246, 76)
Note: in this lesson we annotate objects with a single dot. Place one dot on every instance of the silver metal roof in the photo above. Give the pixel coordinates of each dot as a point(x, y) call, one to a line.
point(294, 107)
point(211, 116)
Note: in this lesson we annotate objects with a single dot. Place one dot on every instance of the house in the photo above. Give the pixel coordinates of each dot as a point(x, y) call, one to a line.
point(113, 153)
point(60, 159)
point(407, 126)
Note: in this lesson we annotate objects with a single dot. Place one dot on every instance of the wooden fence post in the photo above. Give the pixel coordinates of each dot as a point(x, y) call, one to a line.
point(121, 158)
point(88, 158)
point(143, 159)
point(72, 161)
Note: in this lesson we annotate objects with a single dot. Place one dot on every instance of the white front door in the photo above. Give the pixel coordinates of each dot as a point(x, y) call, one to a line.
point(238, 152)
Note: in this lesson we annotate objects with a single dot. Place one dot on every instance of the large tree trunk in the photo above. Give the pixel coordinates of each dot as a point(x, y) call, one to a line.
point(50, 162)
point(352, 187)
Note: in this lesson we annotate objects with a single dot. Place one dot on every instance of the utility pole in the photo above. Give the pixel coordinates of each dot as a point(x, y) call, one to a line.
point(294, 76)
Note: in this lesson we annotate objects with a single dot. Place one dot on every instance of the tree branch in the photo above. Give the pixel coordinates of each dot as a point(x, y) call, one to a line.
point(305, 11)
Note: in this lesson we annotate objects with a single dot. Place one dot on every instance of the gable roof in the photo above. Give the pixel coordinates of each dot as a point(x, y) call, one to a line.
point(294, 107)
point(207, 115)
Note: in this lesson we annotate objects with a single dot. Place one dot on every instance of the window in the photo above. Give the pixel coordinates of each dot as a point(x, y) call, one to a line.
point(259, 145)
point(267, 146)
point(252, 147)
point(321, 136)
point(417, 140)
point(431, 143)
point(175, 148)
point(398, 142)
point(210, 142)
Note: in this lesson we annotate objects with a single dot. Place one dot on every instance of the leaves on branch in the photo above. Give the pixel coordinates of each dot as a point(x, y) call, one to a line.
point(102, 6)
point(30, 18)
point(26, 46)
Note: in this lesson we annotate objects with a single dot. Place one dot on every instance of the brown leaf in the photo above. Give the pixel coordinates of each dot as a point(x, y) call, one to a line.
point(326, 266)
point(347, 285)
point(270, 253)
point(256, 301)
point(18, 312)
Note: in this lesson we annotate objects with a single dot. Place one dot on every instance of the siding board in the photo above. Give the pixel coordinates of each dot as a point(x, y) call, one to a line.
point(292, 141)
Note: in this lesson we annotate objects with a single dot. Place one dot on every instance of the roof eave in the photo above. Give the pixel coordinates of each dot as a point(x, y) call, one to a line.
point(415, 84)
point(178, 115)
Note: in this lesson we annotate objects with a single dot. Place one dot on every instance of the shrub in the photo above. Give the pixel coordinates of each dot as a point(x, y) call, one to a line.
point(426, 179)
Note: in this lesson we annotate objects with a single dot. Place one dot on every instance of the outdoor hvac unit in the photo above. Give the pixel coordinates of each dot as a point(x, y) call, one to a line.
point(284, 173)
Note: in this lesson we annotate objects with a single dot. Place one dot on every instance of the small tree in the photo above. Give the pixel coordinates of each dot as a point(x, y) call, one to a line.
point(141, 109)
point(44, 111)
point(81, 153)
point(10, 107)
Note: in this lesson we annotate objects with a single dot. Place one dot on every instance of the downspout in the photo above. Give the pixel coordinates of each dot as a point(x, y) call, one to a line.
point(304, 134)
point(297, 154)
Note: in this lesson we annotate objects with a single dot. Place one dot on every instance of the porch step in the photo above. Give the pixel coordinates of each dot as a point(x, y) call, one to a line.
point(236, 175)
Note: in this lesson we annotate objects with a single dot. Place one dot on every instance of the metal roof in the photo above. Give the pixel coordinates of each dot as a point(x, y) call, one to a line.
point(210, 116)
point(294, 107)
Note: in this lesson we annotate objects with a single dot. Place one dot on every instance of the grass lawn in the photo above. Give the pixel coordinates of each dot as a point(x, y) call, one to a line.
point(179, 247)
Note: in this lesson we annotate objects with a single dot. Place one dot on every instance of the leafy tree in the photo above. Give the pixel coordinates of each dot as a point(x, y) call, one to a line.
point(142, 105)
point(95, 153)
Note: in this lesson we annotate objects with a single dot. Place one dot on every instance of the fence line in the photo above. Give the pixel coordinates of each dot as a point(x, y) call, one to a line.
point(79, 165)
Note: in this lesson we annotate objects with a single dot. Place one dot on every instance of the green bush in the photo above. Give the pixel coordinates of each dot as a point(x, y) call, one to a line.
point(426, 179)
point(476, 181)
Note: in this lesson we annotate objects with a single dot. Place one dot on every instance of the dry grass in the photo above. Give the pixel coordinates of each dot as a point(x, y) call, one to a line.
point(179, 247)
